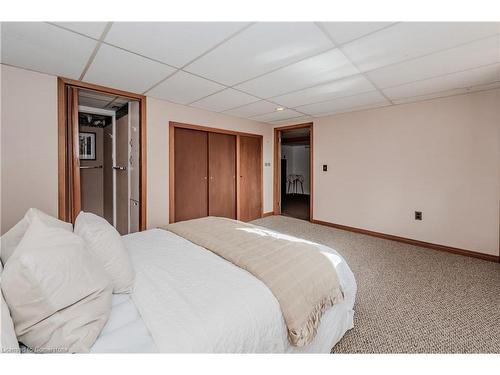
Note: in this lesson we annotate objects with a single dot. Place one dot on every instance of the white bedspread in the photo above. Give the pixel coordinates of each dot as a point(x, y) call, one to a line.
point(125, 331)
point(191, 300)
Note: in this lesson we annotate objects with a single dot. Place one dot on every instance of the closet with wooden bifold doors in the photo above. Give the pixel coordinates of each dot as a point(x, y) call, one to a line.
point(208, 168)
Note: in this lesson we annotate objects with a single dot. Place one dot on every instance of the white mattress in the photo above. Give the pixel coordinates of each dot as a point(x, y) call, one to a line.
point(187, 299)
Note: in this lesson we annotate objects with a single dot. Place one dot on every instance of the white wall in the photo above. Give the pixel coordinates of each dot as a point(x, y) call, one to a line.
point(28, 144)
point(441, 157)
point(298, 163)
point(159, 114)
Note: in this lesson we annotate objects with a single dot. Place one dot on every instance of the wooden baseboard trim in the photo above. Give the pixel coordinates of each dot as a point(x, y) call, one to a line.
point(266, 214)
point(454, 250)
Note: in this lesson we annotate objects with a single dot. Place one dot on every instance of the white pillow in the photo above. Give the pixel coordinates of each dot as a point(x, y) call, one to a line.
point(11, 239)
point(9, 339)
point(106, 244)
point(58, 295)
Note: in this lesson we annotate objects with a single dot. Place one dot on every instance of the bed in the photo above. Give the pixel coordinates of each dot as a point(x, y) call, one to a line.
point(187, 299)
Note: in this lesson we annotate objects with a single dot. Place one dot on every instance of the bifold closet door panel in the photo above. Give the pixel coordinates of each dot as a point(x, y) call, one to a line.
point(191, 171)
point(222, 175)
point(250, 178)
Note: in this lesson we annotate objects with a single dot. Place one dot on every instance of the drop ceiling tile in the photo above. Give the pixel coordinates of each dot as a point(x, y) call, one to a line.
point(117, 103)
point(92, 102)
point(254, 109)
point(366, 100)
point(120, 101)
point(260, 49)
point(343, 32)
point(278, 115)
point(119, 69)
point(92, 29)
point(45, 48)
point(174, 43)
point(325, 67)
point(441, 94)
point(95, 95)
point(413, 39)
point(460, 80)
point(184, 88)
point(343, 87)
point(472, 55)
point(100, 100)
point(224, 100)
point(355, 109)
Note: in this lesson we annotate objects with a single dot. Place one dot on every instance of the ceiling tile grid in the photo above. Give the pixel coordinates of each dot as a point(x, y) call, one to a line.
point(409, 40)
point(254, 109)
point(117, 68)
point(372, 98)
point(92, 102)
point(475, 54)
point(278, 115)
point(343, 32)
point(45, 48)
point(460, 80)
point(260, 49)
point(321, 68)
point(100, 100)
point(224, 100)
point(174, 43)
point(249, 69)
point(91, 29)
point(446, 93)
point(93, 99)
point(341, 88)
point(184, 88)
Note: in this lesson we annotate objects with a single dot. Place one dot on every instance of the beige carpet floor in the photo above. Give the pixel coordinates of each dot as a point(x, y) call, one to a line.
point(411, 299)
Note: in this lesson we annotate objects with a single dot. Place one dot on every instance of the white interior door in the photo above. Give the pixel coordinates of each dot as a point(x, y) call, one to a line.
point(121, 171)
point(134, 166)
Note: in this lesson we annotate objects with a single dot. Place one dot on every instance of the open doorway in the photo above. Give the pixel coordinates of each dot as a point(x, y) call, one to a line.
point(109, 158)
point(293, 171)
point(101, 156)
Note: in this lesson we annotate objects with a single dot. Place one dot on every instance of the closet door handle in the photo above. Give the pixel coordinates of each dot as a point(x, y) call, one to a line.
point(120, 168)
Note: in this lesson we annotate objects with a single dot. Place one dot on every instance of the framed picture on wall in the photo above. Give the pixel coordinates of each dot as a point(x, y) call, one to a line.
point(87, 146)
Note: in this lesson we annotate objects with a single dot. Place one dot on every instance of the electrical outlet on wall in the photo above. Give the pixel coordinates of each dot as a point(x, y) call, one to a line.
point(418, 215)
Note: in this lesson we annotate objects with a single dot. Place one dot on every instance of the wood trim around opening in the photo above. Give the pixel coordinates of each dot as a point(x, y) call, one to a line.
point(171, 163)
point(63, 180)
point(277, 167)
point(74, 169)
point(409, 241)
point(62, 151)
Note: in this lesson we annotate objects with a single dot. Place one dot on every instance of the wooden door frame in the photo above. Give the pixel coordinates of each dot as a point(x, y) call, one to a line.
point(277, 167)
point(171, 163)
point(65, 182)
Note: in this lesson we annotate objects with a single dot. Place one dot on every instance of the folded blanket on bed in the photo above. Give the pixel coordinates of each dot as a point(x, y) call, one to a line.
point(302, 279)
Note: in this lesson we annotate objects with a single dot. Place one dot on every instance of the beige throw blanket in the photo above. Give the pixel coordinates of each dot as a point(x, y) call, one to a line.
point(302, 279)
